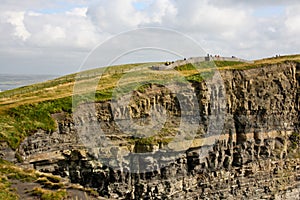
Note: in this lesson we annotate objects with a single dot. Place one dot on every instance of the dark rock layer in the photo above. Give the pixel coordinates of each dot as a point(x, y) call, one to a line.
point(246, 145)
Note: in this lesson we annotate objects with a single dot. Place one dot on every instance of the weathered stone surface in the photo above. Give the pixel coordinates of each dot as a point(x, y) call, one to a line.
point(7, 153)
point(254, 158)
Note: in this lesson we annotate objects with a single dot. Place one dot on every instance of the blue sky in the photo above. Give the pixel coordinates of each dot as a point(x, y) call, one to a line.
point(59, 7)
point(66, 6)
point(140, 5)
point(269, 11)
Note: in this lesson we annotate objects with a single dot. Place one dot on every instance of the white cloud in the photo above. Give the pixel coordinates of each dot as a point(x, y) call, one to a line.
point(64, 31)
point(77, 12)
point(16, 19)
point(115, 16)
point(50, 35)
point(71, 29)
point(292, 21)
point(202, 16)
point(160, 11)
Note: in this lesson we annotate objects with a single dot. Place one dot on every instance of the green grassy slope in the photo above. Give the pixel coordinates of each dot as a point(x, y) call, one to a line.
point(27, 109)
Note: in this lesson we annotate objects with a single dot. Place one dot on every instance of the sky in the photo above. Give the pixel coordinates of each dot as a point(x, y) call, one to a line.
point(55, 37)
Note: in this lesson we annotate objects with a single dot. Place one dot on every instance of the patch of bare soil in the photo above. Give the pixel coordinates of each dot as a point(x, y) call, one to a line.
point(23, 189)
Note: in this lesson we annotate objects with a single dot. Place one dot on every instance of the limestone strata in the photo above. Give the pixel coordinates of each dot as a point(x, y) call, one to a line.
point(255, 157)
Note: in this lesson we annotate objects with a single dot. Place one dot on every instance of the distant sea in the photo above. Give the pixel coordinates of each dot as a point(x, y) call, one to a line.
point(11, 81)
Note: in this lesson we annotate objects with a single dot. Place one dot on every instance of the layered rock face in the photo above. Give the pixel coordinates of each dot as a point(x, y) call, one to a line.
point(245, 145)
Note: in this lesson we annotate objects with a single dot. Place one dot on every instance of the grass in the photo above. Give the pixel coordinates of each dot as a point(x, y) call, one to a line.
point(11, 171)
point(260, 63)
point(25, 113)
point(62, 87)
point(227, 63)
point(185, 67)
point(153, 140)
point(22, 121)
point(25, 110)
point(51, 187)
point(45, 194)
point(144, 87)
point(201, 76)
point(197, 66)
point(6, 192)
point(50, 182)
point(25, 175)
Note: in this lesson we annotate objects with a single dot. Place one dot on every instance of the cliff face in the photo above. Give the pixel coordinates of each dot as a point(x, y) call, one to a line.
point(255, 157)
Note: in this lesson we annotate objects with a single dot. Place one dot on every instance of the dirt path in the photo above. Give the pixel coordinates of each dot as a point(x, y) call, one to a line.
point(23, 188)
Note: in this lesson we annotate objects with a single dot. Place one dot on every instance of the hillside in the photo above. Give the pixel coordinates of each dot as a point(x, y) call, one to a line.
point(28, 108)
point(44, 112)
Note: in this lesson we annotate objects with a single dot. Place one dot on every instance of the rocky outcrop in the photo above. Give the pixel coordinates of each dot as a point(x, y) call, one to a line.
point(254, 154)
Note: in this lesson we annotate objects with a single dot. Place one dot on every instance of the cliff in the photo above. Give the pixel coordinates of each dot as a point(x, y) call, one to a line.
point(254, 154)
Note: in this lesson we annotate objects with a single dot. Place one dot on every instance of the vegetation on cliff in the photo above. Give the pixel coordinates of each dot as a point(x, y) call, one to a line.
point(25, 110)
point(11, 174)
